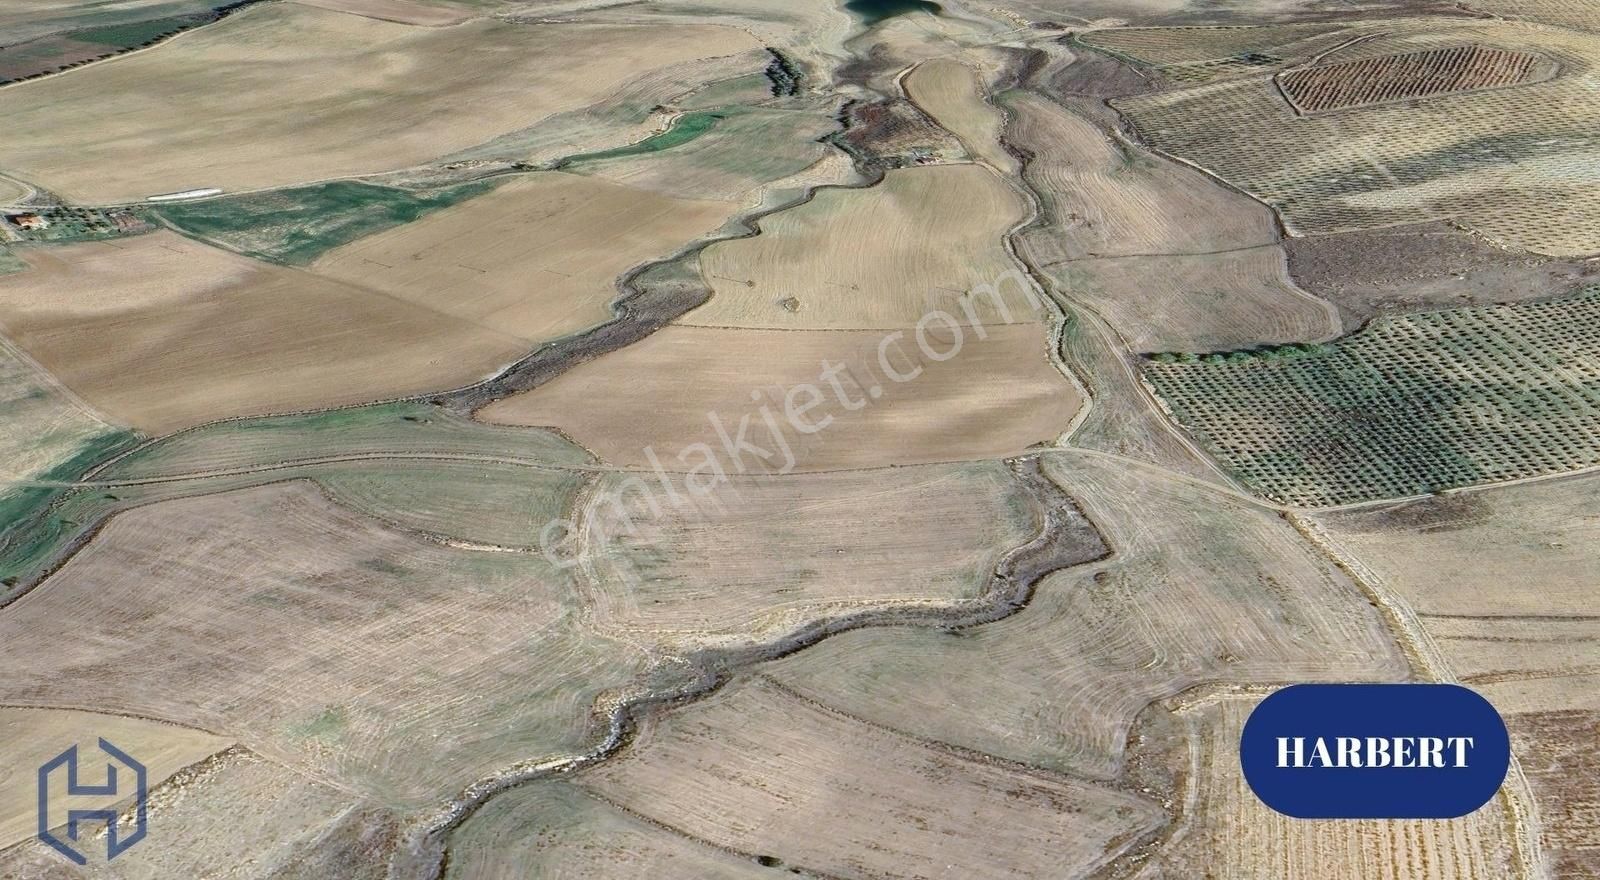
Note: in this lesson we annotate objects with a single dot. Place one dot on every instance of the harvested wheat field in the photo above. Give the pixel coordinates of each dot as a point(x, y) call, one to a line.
point(34, 736)
point(935, 232)
point(554, 829)
point(670, 392)
point(1234, 836)
point(953, 95)
point(130, 326)
point(261, 98)
point(759, 771)
point(537, 258)
point(1200, 588)
point(1216, 302)
point(236, 809)
point(414, 668)
point(759, 557)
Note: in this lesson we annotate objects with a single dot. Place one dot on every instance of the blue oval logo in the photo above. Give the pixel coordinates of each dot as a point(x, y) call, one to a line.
point(1375, 751)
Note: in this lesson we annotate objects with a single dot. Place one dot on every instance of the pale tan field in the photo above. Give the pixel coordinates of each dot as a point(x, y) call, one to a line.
point(1233, 836)
point(537, 258)
point(162, 333)
point(262, 98)
point(1200, 588)
point(759, 557)
point(41, 422)
point(11, 191)
point(935, 233)
point(398, 11)
point(995, 398)
point(1219, 302)
point(35, 736)
point(953, 95)
point(555, 829)
point(758, 771)
point(317, 637)
point(1503, 582)
point(1108, 198)
point(233, 817)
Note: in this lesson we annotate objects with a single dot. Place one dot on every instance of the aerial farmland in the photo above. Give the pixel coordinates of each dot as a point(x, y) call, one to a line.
point(742, 439)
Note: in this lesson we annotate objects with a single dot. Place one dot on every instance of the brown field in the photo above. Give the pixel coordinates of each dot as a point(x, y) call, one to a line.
point(34, 736)
point(1217, 302)
point(1234, 836)
point(399, 668)
point(995, 398)
point(1200, 588)
point(953, 95)
point(210, 109)
point(235, 816)
point(398, 11)
point(555, 829)
point(762, 556)
point(756, 770)
point(536, 258)
point(132, 326)
point(935, 231)
point(1404, 77)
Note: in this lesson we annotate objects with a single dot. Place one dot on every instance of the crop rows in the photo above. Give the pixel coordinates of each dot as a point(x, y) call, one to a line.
point(1409, 406)
point(1401, 77)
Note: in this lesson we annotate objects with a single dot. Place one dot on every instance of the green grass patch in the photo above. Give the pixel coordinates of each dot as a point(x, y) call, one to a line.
point(683, 129)
point(296, 226)
point(10, 262)
point(133, 34)
point(29, 526)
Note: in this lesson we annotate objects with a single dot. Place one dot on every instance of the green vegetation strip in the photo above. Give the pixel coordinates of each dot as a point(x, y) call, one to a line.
point(466, 497)
point(1410, 405)
point(296, 226)
point(683, 129)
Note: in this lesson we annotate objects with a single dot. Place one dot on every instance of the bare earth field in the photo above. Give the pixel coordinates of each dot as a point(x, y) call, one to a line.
point(415, 667)
point(702, 572)
point(995, 398)
point(209, 109)
point(129, 325)
point(536, 258)
point(935, 233)
point(762, 772)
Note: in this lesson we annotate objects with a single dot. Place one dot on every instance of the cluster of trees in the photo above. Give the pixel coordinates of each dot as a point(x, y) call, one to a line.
point(1265, 353)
